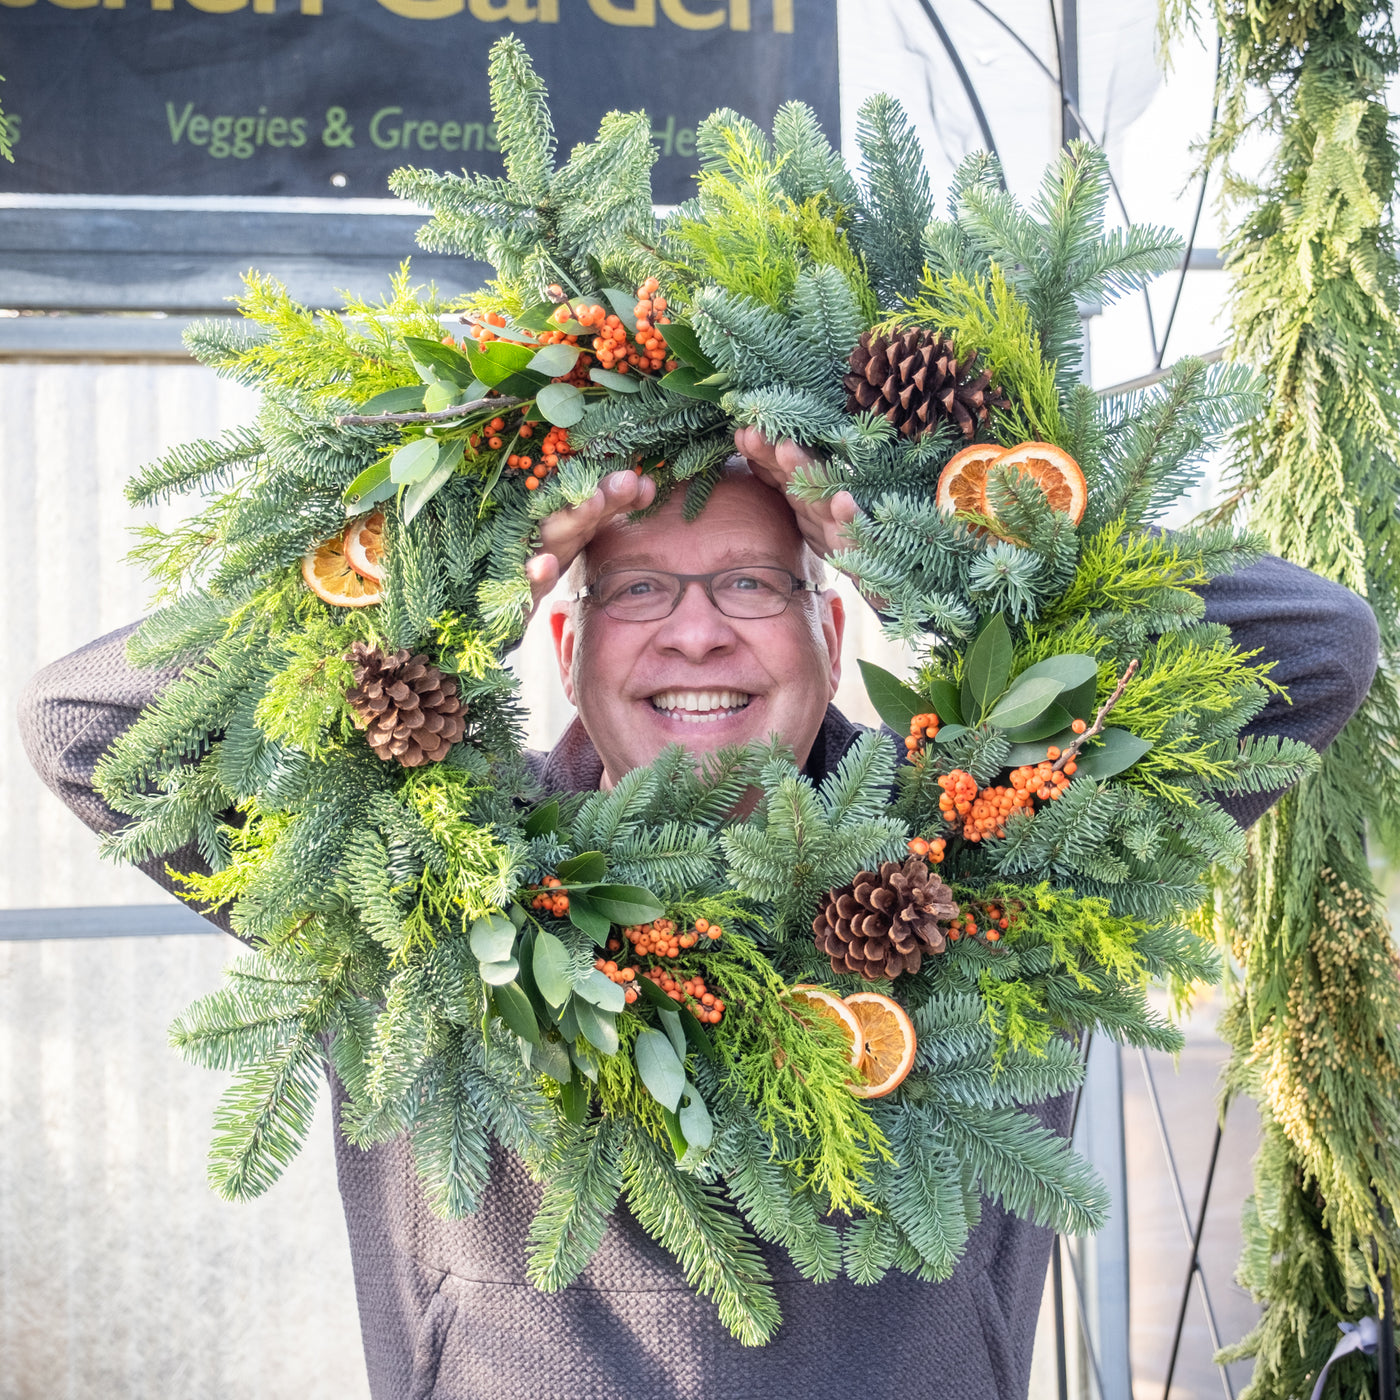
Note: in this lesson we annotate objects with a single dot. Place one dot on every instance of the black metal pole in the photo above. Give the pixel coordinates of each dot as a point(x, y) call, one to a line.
point(1194, 1263)
point(1067, 42)
point(955, 58)
point(1385, 1357)
point(1057, 1275)
point(1164, 1138)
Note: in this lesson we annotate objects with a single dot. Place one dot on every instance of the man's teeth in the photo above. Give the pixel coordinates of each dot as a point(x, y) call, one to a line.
point(700, 706)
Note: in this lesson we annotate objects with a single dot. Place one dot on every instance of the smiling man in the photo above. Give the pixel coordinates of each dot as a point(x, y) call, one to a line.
point(708, 633)
point(745, 644)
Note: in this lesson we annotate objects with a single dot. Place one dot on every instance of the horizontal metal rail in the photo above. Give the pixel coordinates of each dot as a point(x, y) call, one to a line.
point(102, 921)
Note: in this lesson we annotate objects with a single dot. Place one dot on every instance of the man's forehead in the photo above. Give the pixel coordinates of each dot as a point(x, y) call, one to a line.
point(743, 522)
point(657, 555)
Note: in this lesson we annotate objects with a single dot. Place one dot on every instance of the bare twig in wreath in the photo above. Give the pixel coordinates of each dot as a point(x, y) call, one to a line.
point(1078, 743)
point(446, 415)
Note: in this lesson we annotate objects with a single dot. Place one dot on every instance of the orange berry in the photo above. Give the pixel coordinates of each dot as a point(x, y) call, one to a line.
point(1079, 726)
point(531, 483)
point(1070, 769)
point(1052, 753)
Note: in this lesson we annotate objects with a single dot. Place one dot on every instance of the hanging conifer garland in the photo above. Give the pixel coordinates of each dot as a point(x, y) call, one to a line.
point(625, 987)
point(1312, 1025)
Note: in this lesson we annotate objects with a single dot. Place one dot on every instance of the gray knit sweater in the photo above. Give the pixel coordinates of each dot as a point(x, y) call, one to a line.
point(445, 1309)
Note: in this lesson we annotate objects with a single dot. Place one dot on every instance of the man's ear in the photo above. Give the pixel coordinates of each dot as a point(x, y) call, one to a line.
point(565, 635)
point(833, 617)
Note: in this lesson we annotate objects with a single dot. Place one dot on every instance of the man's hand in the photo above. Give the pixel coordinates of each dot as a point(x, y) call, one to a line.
point(823, 523)
point(565, 533)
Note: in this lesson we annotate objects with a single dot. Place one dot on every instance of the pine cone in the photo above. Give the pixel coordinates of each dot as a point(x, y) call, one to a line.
point(412, 712)
point(917, 381)
point(882, 925)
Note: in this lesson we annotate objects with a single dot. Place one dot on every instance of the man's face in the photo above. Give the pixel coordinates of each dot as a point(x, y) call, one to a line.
point(700, 678)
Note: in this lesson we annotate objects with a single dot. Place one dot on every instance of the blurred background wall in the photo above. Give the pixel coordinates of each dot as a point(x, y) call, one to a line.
point(120, 1273)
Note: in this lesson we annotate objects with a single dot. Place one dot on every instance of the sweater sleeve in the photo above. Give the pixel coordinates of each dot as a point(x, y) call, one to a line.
point(1323, 641)
point(69, 716)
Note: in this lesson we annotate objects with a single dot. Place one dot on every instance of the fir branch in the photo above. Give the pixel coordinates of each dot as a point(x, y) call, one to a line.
point(689, 1220)
point(450, 1146)
point(1029, 1169)
point(582, 1184)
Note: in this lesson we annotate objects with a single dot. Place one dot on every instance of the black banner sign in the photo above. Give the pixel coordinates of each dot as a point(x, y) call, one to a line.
point(326, 97)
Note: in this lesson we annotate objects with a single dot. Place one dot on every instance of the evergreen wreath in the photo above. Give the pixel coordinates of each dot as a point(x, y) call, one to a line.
point(624, 987)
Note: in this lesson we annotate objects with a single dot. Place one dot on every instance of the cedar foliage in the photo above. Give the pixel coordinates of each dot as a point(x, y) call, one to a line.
point(1313, 1031)
point(394, 912)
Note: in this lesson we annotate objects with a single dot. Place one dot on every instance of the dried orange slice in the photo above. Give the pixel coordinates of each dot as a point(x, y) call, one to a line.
point(887, 1035)
point(329, 576)
point(962, 485)
point(823, 1003)
point(1054, 471)
point(364, 546)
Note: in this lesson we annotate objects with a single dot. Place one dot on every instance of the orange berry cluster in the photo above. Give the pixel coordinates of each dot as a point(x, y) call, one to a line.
point(921, 728)
point(1043, 780)
point(609, 335)
point(481, 331)
point(994, 920)
point(492, 433)
point(621, 975)
point(551, 899)
point(983, 813)
point(708, 1007)
point(652, 352)
point(660, 938)
point(931, 850)
point(554, 446)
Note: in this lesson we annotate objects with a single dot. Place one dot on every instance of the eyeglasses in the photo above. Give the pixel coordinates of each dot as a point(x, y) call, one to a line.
point(648, 595)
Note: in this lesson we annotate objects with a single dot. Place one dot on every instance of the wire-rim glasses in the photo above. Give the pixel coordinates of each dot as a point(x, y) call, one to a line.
point(648, 595)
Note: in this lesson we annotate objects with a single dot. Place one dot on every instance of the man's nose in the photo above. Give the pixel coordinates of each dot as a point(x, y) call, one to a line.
point(697, 628)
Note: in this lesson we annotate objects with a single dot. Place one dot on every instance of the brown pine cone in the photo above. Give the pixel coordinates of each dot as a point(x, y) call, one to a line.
point(410, 711)
point(882, 924)
point(917, 380)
